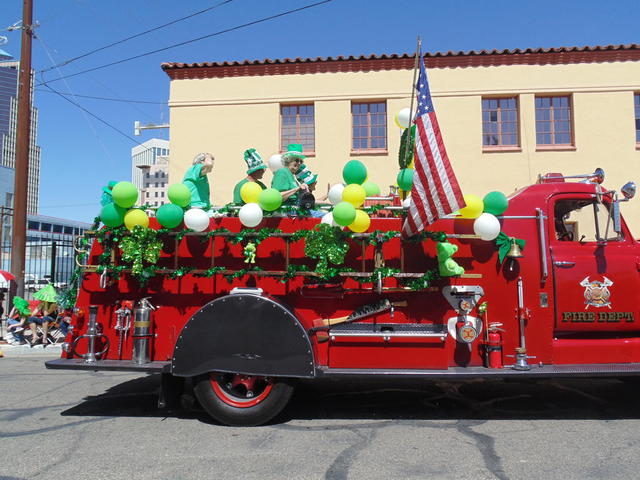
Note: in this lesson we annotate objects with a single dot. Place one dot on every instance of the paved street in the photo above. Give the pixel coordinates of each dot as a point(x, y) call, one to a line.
point(61, 424)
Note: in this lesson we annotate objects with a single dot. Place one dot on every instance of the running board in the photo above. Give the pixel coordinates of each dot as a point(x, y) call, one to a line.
point(537, 371)
point(111, 365)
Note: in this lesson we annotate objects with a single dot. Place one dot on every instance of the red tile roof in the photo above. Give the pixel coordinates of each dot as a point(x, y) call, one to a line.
point(472, 58)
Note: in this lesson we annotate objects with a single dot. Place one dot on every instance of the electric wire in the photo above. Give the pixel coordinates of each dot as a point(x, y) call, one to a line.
point(227, 30)
point(124, 100)
point(67, 62)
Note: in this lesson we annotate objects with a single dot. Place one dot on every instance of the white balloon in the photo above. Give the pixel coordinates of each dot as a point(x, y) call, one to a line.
point(275, 162)
point(335, 193)
point(404, 117)
point(406, 203)
point(486, 226)
point(250, 215)
point(328, 219)
point(196, 219)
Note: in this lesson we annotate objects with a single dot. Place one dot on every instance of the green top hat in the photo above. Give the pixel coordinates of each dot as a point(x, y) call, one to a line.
point(304, 175)
point(254, 161)
point(294, 150)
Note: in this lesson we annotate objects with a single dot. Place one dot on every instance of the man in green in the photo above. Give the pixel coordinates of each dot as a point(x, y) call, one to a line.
point(255, 171)
point(284, 180)
point(196, 180)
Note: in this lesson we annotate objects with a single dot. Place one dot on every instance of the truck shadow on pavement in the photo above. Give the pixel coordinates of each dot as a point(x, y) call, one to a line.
point(513, 399)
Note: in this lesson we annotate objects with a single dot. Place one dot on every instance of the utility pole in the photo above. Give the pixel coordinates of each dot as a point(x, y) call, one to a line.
point(23, 140)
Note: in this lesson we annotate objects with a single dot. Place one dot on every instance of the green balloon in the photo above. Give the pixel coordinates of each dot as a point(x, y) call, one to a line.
point(270, 199)
point(125, 194)
point(112, 215)
point(371, 188)
point(169, 215)
point(179, 194)
point(354, 172)
point(495, 203)
point(344, 214)
point(405, 179)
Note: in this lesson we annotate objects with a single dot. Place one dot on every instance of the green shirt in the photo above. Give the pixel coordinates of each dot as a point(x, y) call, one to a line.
point(283, 180)
point(237, 199)
point(198, 185)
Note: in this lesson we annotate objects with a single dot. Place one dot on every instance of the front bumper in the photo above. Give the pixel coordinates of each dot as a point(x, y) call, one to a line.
point(111, 365)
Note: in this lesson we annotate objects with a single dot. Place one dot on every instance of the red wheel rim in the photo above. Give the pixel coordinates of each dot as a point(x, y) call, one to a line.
point(241, 391)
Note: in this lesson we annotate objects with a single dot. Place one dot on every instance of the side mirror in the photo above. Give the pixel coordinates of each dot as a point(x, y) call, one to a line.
point(628, 190)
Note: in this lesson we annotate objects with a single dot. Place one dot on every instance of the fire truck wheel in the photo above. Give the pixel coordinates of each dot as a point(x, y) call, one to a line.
point(242, 400)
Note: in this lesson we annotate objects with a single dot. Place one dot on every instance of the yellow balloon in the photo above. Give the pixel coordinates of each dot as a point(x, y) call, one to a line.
point(135, 217)
point(250, 191)
point(411, 165)
point(474, 207)
point(361, 223)
point(354, 194)
point(397, 122)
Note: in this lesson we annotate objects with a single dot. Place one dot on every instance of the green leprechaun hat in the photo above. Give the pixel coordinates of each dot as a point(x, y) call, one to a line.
point(294, 150)
point(304, 175)
point(46, 294)
point(254, 161)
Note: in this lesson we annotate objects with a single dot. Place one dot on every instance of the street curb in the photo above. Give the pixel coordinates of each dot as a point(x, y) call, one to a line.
point(12, 351)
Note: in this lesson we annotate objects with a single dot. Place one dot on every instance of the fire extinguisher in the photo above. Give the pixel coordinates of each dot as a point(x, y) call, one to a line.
point(494, 346)
point(142, 331)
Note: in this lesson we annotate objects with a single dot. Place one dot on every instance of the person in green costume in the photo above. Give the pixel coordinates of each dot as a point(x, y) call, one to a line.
point(284, 180)
point(196, 180)
point(255, 171)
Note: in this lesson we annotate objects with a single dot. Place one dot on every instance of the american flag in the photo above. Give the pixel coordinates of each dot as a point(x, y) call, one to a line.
point(435, 191)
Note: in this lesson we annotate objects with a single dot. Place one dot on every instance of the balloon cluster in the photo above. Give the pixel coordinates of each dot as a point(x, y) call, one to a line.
point(170, 215)
point(484, 210)
point(256, 200)
point(348, 197)
point(405, 175)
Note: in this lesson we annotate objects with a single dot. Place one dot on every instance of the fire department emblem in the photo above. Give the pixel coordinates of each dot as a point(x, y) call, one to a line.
point(596, 293)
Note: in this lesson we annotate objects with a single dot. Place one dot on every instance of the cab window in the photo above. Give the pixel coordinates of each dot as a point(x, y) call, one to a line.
point(583, 220)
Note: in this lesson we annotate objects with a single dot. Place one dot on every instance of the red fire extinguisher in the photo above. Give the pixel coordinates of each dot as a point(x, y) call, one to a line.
point(494, 346)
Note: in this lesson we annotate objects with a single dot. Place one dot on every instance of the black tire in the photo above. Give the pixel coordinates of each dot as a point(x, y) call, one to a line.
point(227, 398)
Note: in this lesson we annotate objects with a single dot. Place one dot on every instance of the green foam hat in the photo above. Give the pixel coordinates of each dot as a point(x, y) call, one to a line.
point(46, 294)
point(22, 306)
point(304, 175)
point(254, 161)
point(294, 150)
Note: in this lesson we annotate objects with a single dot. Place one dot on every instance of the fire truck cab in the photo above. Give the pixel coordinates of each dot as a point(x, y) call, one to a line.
point(564, 305)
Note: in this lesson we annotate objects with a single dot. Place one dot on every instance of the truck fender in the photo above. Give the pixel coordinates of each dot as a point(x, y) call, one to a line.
point(243, 333)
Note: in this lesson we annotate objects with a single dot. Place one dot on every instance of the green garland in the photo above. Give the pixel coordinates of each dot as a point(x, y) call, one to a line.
point(209, 272)
point(141, 247)
point(327, 244)
point(424, 281)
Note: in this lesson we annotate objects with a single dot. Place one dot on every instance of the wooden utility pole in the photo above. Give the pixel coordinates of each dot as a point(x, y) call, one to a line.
point(23, 140)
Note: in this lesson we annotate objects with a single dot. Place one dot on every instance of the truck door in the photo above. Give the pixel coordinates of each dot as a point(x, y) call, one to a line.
point(595, 273)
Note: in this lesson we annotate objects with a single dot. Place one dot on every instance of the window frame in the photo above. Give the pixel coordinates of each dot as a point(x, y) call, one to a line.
point(517, 147)
point(571, 146)
point(636, 117)
point(283, 145)
point(369, 126)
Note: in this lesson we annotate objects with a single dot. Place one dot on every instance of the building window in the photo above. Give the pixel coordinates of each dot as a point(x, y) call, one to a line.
point(57, 228)
point(31, 225)
point(369, 126)
point(636, 103)
point(553, 121)
point(68, 230)
point(45, 227)
point(297, 125)
point(500, 122)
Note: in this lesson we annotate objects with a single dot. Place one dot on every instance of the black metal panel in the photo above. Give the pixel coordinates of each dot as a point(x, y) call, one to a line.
point(244, 333)
point(114, 365)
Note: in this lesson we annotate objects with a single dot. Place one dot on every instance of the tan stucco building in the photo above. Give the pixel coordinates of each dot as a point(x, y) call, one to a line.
point(506, 116)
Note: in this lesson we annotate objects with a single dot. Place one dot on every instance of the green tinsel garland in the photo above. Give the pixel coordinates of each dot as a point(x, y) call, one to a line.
point(141, 247)
point(327, 244)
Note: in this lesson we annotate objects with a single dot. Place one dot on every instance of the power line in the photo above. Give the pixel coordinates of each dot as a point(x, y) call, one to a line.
point(67, 62)
point(96, 117)
point(103, 98)
point(238, 27)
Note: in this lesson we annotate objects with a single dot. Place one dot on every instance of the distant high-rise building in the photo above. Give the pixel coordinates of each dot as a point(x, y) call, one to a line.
point(154, 183)
point(146, 153)
point(8, 128)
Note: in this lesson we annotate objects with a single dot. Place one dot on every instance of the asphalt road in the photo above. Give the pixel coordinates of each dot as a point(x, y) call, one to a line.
point(68, 425)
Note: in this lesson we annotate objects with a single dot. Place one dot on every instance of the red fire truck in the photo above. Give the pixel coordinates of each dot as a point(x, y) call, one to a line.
point(564, 305)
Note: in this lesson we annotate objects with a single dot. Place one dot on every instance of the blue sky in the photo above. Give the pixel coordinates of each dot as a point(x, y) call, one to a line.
point(80, 154)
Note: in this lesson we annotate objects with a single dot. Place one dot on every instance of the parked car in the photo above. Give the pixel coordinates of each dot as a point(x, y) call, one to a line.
point(34, 284)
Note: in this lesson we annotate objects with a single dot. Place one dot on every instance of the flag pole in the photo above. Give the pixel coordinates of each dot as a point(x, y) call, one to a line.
point(408, 143)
